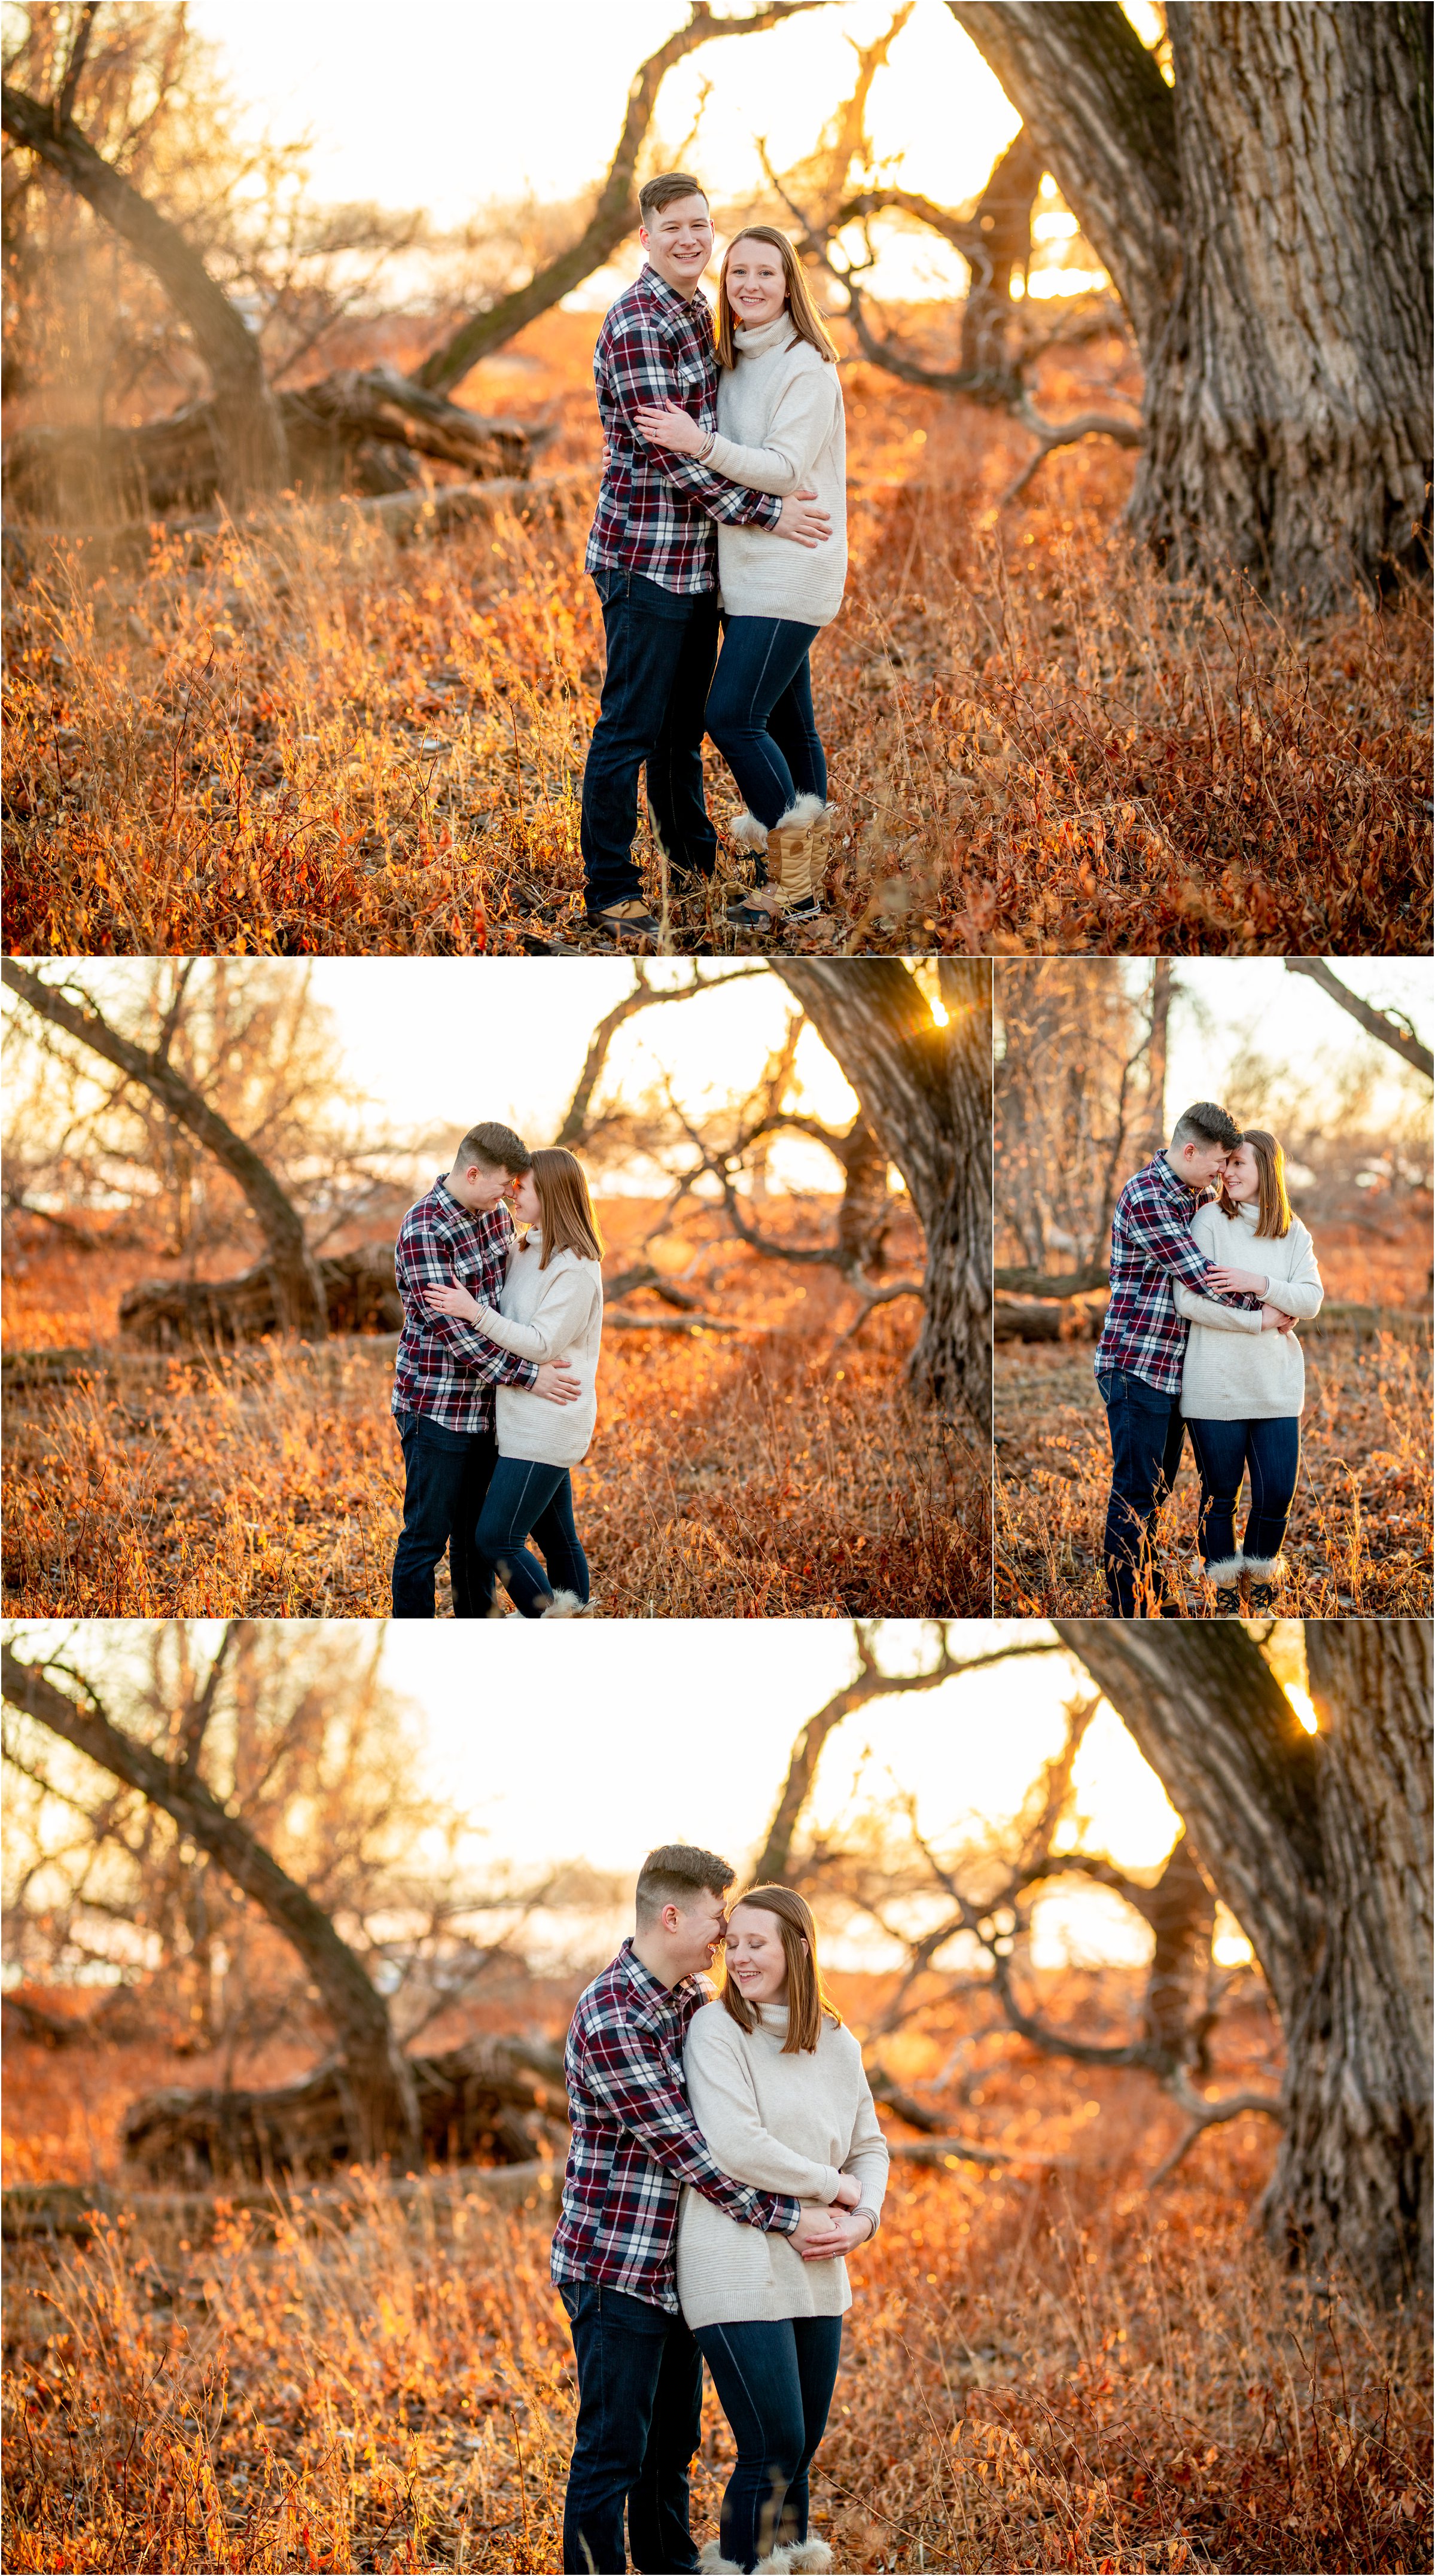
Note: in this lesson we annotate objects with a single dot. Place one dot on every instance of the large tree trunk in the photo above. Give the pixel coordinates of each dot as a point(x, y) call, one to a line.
point(926, 1092)
point(376, 2094)
point(1266, 224)
point(248, 431)
point(1320, 1845)
point(299, 1296)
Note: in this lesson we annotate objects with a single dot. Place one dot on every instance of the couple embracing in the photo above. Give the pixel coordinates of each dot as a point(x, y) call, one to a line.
point(721, 518)
point(725, 2160)
point(499, 1269)
point(1210, 1273)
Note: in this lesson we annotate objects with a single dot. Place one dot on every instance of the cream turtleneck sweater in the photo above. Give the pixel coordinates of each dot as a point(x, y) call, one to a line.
point(782, 2123)
point(781, 429)
point(1234, 1372)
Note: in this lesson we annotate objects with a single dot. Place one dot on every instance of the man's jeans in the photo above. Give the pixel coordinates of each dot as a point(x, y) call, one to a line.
point(760, 714)
point(1224, 1452)
point(775, 2379)
point(446, 1476)
point(662, 645)
point(640, 2401)
point(1146, 1436)
point(526, 1499)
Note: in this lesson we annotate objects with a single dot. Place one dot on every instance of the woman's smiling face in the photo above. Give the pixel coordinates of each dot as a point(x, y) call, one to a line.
point(756, 283)
point(524, 1201)
point(1243, 1175)
point(756, 1960)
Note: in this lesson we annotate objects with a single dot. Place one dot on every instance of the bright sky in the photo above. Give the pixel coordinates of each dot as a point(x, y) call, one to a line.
point(596, 1740)
point(450, 104)
point(1288, 1019)
point(453, 1040)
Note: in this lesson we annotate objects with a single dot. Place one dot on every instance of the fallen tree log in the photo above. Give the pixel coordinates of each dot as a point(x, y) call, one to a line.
point(965, 2151)
point(164, 1314)
point(1023, 1320)
point(362, 430)
point(1062, 1283)
point(501, 2099)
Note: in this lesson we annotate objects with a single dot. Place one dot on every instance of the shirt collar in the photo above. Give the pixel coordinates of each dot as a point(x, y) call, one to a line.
point(650, 1998)
point(1173, 1182)
point(668, 296)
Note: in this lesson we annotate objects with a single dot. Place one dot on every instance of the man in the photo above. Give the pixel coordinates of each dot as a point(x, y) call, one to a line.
point(635, 2143)
point(1143, 1342)
point(446, 1371)
point(652, 553)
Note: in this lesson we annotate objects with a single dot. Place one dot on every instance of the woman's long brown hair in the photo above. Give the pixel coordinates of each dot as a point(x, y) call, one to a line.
point(802, 313)
point(1274, 1216)
point(807, 2004)
point(569, 1224)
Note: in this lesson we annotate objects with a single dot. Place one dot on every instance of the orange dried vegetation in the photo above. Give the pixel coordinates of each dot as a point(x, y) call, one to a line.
point(297, 739)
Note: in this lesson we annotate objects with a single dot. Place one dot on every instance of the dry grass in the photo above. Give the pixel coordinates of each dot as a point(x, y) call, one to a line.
point(1359, 1542)
point(1035, 743)
point(1060, 2371)
point(773, 1473)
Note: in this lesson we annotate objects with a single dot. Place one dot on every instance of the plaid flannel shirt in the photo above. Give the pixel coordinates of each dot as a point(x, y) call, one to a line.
point(635, 2141)
point(1152, 1243)
point(445, 1367)
point(657, 511)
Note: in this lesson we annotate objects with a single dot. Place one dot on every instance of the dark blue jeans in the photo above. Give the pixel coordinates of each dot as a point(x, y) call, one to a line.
point(661, 648)
point(1269, 1452)
point(640, 2403)
point(446, 1477)
point(525, 1500)
point(760, 714)
point(775, 2382)
point(1146, 1436)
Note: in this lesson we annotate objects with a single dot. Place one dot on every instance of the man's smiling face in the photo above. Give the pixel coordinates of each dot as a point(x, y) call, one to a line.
point(679, 241)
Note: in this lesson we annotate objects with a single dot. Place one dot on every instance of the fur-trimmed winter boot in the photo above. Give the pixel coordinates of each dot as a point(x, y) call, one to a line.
point(565, 1605)
point(1224, 1572)
point(1264, 1577)
point(788, 892)
point(820, 853)
point(805, 2555)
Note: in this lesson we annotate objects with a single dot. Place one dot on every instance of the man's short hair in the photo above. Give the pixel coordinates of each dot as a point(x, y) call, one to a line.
point(665, 190)
point(678, 1873)
point(495, 1146)
point(1205, 1124)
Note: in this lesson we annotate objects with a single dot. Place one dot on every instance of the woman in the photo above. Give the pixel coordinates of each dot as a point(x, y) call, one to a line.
point(780, 428)
point(778, 2089)
point(1243, 1383)
point(552, 1308)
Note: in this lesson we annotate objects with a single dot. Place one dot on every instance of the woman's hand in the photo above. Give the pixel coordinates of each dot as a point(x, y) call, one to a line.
point(668, 425)
point(453, 1301)
point(848, 2192)
point(849, 2228)
point(1236, 1283)
point(1274, 1320)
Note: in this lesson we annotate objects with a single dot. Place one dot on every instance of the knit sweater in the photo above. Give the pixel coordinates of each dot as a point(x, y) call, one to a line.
point(1233, 1371)
point(552, 1314)
point(781, 429)
point(790, 2124)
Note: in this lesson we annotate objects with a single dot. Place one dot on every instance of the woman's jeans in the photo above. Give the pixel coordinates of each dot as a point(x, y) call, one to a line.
point(775, 2382)
point(760, 714)
point(526, 1500)
point(1269, 1452)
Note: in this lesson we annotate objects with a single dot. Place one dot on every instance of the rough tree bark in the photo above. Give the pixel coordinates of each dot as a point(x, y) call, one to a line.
point(376, 2096)
point(926, 1092)
point(300, 1299)
point(248, 432)
point(1320, 1846)
point(1266, 224)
